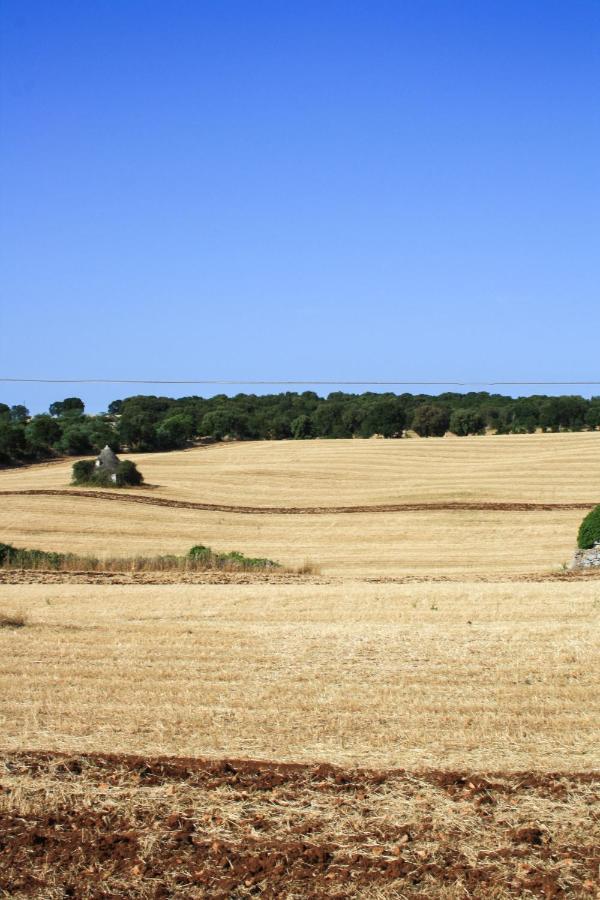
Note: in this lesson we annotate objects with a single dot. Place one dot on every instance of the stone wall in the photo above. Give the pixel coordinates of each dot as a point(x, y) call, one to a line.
point(587, 559)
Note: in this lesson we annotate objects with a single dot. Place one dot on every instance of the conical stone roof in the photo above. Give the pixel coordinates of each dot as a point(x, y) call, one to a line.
point(107, 460)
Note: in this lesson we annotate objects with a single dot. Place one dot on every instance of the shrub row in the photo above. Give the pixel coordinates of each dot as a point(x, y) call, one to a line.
point(199, 559)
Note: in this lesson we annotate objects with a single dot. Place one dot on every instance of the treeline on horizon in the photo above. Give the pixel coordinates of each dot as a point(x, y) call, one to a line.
point(149, 423)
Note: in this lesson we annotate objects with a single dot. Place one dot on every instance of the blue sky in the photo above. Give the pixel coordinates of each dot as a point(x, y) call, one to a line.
point(262, 190)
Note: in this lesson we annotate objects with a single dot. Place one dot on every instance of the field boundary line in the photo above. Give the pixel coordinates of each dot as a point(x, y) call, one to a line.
point(434, 506)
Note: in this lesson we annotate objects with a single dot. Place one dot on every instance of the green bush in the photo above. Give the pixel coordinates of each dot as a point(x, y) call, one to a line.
point(83, 471)
point(589, 530)
point(6, 553)
point(128, 474)
point(234, 559)
point(31, 559)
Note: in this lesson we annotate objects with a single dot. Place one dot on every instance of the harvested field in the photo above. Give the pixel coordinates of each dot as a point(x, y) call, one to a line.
point(92, 826)
point(536, 468)
point(447, 542)
point(465, 676)
point(443, 637)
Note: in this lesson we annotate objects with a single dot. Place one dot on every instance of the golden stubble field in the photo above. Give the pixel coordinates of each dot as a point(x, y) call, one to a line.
point(470, 706)
point(477, 676)
point(563, 468)
point(536, 467)
point(339, 668)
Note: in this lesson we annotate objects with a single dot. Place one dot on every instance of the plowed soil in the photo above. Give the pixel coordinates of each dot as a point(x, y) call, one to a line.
point(108, 826)
point(41, 576)
point(466, 506)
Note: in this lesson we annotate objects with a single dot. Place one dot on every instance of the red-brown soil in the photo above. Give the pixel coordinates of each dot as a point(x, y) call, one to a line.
point(466, 506)
point(108, 826)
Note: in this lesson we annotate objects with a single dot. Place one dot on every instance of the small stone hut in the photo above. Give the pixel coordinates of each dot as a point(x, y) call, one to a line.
point(107, 461)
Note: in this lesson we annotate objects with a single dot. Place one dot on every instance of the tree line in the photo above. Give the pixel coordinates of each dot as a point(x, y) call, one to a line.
point(149, 423)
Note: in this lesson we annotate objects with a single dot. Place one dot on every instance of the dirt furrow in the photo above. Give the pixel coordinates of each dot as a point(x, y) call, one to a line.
point(434, 506)
point(103, 826)
point(45, 576)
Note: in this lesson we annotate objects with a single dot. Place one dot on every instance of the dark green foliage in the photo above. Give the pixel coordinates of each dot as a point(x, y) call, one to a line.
point(13, 443)
point(302, 427)
point(149, 423)
point(589, 530)
point(467, 421)
point(75, 441)
point(86, 472)
point(233, 559)
point(385, 417)
point(83, 471)
point(31, 559)
point(592, 419)
point(128, 474)
point(225, 423)
point(197, 559)
point(558, 413)
point(175, 432)
point(6, 552)
point(43, 432)
point(19, 413)
point(430, 420)
point(68, 406)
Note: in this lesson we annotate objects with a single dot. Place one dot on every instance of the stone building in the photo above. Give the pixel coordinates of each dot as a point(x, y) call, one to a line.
point(108, 461)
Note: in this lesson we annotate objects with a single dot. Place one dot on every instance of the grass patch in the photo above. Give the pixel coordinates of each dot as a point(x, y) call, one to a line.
point(198, 559)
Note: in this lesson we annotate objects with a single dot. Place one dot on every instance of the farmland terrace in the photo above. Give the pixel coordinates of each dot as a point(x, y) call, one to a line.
point(423, 707)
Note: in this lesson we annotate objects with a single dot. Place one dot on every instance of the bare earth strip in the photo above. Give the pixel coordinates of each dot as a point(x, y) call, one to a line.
point(91, 826)
point(41, 576)
point(129, 497)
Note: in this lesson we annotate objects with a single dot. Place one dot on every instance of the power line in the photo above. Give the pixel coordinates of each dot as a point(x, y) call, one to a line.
point(311, 382)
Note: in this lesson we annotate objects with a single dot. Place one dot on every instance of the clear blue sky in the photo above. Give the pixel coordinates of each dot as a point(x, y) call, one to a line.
point(331, 189)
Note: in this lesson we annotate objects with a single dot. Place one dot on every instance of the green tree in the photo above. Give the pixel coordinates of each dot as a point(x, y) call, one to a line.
point(42, 432)
point(430, 420)
point(13, 444)
point(467, 421)
point(592, 419)
point(68, 406)
point(224, 422)
point(301, 428)
point(19, 413)
point(385, 417)
point(175, 431)
point(75, 441)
